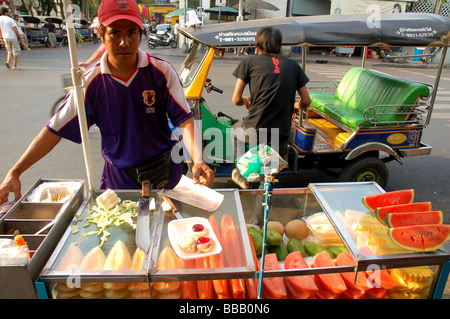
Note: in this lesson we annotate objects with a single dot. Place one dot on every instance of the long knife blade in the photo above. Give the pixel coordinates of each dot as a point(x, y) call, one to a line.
point(143, 219)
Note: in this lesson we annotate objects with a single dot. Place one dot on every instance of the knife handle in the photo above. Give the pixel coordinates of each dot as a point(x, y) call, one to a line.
point(146, 188)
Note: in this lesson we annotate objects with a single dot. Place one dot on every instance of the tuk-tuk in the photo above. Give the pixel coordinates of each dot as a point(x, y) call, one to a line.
point(353, 127)
point(34, 29)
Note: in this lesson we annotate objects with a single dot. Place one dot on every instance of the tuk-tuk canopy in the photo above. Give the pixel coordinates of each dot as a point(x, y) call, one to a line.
point(399, 29)
point(31, 19)
point(54, 20)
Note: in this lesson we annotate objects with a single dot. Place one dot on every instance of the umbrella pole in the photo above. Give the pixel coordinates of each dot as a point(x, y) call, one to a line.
point(79, 97)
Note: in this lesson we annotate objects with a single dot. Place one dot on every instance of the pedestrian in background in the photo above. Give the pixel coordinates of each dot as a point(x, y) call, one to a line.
point(176, 33)
point(11, 37)
point(23, 36)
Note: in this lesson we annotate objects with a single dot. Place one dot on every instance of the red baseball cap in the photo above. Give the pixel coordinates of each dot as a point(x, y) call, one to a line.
point(110, 11)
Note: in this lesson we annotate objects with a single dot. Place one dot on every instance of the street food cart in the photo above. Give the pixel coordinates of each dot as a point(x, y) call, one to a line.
point(162, 273)
point(101, 253)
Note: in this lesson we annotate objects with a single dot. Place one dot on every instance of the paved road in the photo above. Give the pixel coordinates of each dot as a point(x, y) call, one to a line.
point(27, 95)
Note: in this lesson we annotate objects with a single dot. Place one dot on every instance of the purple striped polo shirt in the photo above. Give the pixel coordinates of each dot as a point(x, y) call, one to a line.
point(131, 115)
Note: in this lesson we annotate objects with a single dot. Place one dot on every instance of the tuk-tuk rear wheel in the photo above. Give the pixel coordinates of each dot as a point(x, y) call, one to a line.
point(365, 169)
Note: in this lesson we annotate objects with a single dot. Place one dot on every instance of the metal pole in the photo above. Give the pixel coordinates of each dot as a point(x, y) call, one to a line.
point(79, 96)
point(267, 208)
point(436, 84)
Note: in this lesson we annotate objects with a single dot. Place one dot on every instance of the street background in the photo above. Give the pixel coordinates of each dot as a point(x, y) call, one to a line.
point(28, 94)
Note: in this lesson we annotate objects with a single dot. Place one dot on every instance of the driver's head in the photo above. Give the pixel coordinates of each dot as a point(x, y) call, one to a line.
point(268, 40)
point(110, 11)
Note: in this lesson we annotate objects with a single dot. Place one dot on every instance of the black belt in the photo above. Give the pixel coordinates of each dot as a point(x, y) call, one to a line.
point(156, 170)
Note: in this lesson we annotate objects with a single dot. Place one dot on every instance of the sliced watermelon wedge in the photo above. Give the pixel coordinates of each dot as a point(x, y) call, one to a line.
point(303, 284)
point(273, 287)
point(381, 212)
point(374, 201)
point(414, 218)
point(420, 238)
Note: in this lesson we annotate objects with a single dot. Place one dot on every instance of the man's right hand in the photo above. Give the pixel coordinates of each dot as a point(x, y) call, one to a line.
point(11, 183)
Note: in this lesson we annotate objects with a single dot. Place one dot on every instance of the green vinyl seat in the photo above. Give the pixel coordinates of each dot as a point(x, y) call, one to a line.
point(360, 89)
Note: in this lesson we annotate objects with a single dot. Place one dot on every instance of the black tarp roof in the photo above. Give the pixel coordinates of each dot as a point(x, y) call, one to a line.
point(400, 29)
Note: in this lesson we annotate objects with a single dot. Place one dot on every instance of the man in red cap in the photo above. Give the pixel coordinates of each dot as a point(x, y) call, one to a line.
point(129, 94)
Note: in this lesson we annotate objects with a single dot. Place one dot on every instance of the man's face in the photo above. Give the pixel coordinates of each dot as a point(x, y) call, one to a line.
point(122, 40)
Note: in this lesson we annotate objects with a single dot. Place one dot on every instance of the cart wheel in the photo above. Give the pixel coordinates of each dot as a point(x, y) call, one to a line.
point(365, 169)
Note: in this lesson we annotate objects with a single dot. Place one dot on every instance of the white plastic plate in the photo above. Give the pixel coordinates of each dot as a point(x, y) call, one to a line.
point(179, 228)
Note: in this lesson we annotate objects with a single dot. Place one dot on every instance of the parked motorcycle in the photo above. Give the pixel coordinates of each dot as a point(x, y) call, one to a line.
point(163, 39)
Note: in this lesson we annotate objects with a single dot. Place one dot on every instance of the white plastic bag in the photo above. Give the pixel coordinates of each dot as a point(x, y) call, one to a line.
point(194, 194)
point(54, 192)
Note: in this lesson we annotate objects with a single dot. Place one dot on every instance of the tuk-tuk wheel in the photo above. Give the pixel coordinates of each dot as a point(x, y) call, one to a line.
point(365, 169)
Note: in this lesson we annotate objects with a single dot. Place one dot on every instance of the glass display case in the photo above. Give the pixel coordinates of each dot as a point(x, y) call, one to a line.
point(101, 260)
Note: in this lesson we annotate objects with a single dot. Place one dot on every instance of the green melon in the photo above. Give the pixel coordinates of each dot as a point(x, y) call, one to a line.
point(414, 218)
point(374, 201)
point(381, 212)
point(420, 238)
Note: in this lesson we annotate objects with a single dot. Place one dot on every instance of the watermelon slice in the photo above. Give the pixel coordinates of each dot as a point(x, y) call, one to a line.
point(414, 218)
point(374, 201)
point(333, 282)
point(273, 287)
point(294, 293)
point(361, 283)
point(420, 238)
point(381, 212)
point(303, 284)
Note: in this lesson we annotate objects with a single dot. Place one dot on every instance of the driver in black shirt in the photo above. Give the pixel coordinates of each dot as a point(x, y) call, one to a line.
point(273, 81)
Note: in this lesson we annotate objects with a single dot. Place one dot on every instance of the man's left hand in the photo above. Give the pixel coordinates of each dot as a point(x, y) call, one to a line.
point(202, 174)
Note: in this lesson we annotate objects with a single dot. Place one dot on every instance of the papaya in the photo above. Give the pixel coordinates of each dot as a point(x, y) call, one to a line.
point(361, 283)
point(233, 251)
point(333, 282)
point(218, 261)
point(189, 288)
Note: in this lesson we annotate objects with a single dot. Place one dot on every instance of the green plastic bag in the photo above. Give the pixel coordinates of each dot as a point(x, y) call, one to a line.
point(261, 160)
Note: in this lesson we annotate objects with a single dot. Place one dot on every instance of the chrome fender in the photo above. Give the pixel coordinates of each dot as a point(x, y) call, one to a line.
point(372, 146)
